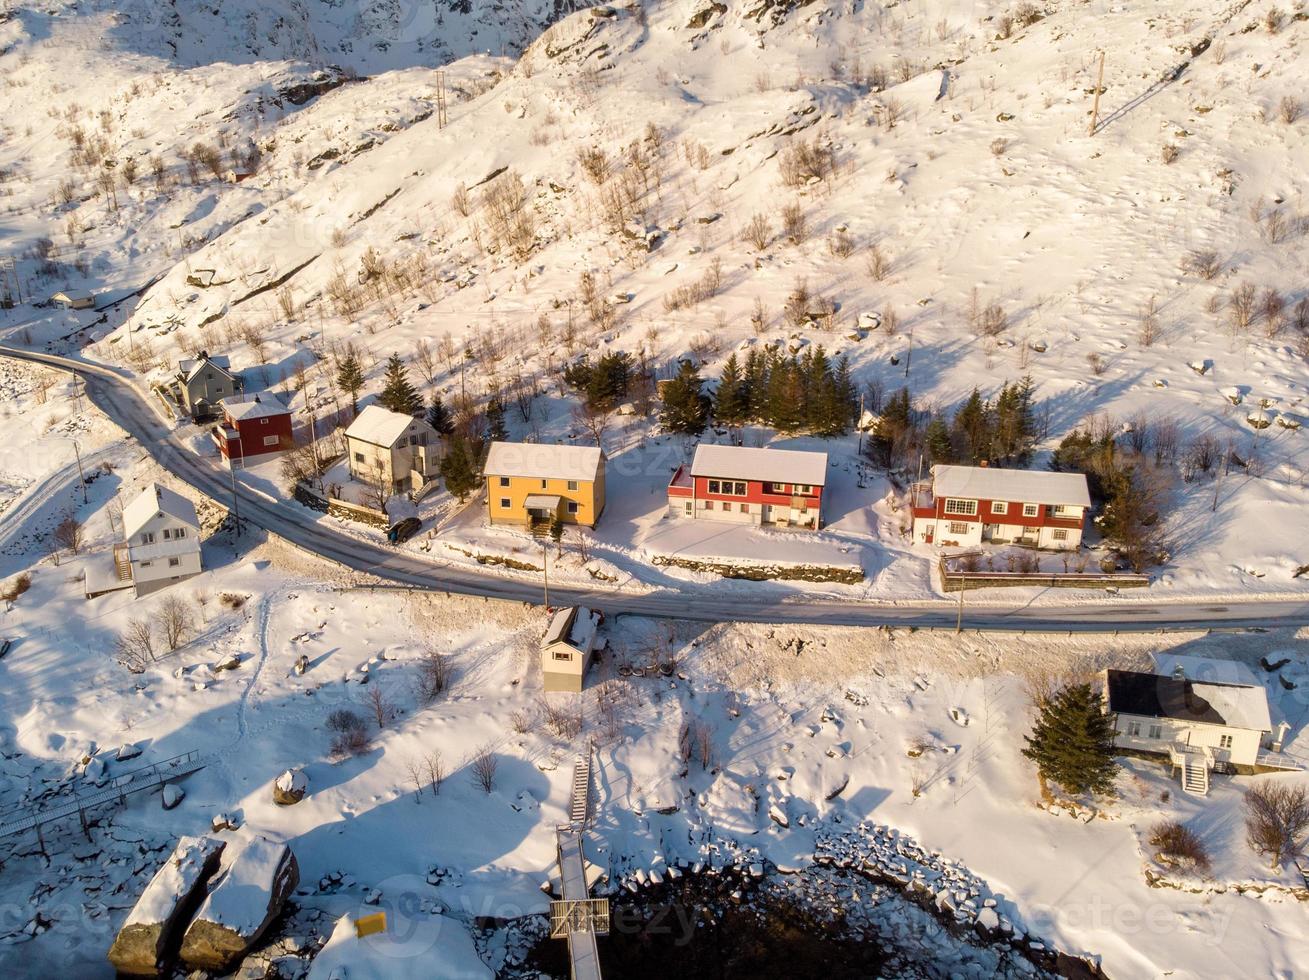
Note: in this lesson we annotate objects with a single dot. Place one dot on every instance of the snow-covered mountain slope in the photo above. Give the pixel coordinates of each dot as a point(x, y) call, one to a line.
point(951, 139)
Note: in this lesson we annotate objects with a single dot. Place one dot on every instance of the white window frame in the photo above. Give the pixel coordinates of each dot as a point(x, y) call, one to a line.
point(1225, 741)
point(999, 507)
point(1134, 729)
point(504, 481)
point(505, 503)
point(572, 484)
point(1031, 510)
point(1155, 732)
point(572, 507)
point(961, 507)
point(270, 440)
point(565, 655)
point(958, 527)
point(1059, 534)
point(174, 562)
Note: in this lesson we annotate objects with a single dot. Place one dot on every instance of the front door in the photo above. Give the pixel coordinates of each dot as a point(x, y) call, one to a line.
point(766, 513)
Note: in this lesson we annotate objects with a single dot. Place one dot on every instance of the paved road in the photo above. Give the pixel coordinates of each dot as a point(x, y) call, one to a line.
point(61, 483)
point(110, 390)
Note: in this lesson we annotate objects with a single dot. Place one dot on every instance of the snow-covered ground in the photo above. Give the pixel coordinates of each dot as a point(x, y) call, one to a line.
point(971, 169)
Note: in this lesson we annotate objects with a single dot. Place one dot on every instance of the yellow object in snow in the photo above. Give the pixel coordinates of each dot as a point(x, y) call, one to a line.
point(370, 924)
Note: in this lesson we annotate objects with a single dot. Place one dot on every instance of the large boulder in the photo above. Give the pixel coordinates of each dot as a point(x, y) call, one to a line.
point(150, 935)
point(290, 787)
point(247, 895)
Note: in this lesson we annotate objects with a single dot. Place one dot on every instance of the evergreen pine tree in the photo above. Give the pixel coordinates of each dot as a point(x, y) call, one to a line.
point(495, 420)
point(973, 424)
point(350, 378)
point(785, 398)
point(459, 469)
point(1072, 742)
point(438, 416)
point(732, 400)
point(398, 394)
point(939, 448)
point(685, 406)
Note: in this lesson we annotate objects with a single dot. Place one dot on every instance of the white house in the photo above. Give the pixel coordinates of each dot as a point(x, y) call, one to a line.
point(400, 451)
point(1203, 715)
point(970, 505)
point(161, 540)
point(73, 301)
point(567, 648)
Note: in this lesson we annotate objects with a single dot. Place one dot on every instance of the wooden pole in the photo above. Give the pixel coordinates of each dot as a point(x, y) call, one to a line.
point(1095, 106)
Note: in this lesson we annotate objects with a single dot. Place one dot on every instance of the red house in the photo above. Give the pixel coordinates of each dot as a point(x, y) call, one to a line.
point(252, 427)
point(779, 487)
point(965, 506)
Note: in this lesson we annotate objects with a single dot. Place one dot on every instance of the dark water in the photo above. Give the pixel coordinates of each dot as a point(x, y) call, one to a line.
point(695, 928)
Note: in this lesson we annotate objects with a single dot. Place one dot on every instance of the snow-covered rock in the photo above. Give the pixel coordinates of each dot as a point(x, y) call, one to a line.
point(160, 912)
point(172, 795)
point(290, 787)
point(247, 895)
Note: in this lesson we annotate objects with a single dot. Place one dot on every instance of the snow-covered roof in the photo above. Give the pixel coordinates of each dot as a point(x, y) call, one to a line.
point(544, 461)
point(1019, 486)
point(772, 465)
point(189, 368)
point(157, 499)
point(379, 426)
point(242, 407)
point(1164, 696)
point(574, 625)
point(1205, 669)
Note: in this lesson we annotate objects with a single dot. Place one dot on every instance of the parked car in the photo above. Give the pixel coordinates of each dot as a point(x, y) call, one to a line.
point(402, 531)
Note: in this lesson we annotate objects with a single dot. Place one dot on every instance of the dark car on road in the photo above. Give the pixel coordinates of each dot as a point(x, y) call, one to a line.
point(402, 531)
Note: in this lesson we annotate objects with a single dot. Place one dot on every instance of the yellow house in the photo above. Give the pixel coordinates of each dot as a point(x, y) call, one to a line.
point(531, 483)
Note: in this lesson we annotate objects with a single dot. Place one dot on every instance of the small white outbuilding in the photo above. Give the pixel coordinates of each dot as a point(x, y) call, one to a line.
point(567, 648)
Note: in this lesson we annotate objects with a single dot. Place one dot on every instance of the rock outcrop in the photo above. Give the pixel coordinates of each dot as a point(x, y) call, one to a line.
point(290, 787)
point(149, 937)
point(247, 895)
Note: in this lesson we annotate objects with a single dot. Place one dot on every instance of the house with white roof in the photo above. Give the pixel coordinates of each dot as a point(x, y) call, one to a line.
point(535, 484)
point(399, 451)
point(202, 382)
point(252, 428)
point(743, 485)
point(161, 540)
point(1202, 715)
point(973, 505)
point(567, 648)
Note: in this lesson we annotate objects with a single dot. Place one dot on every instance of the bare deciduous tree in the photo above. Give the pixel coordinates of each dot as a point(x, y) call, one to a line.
point(434, 675)
point(758, 231)
point(68, 533)
point(435, 771)
point(175, 620)
point(483, 765)
point(378, 704)
point(1277, 820)
point(135, 646)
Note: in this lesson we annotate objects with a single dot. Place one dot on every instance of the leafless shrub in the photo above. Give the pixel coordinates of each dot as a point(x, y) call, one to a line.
point(563, 717)
point(1004, 27)
point(1241, 303)
point(1289, 109)
point(434, 675)
point(695, 741)
point(1203, 263)
point(1272, 306)
point(522, 721)
point(175, 620)
point(350, 733)
point(135, 646)
point(1179, 845)
point(1273, 19)
point(1300, 316)
point(841, 244)
point(877, 262)
point(796, 310)
point(1202, 456)
point(378, 704)
point(993, 320)
point(1276, 820)
point(232, 600)
point(1149, 324)
point(794, 223)
point(758, 231)
point(1169, 153)
point(595, 163)
point(435, 766)
point(1027, 14)
point(890, 320)
point(68, 533)
point(1096, 362)
point(461, 201)
point(483, 765)
point(999, 146)
point(510, 220)
point(801, 162)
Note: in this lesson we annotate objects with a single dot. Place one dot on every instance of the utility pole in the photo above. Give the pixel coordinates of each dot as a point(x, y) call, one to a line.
point(77, 403)
point(909, 355)
point(959, 621)
point(1095, 105)
point(545, 568)
point(236, 500)
point(80, 475)
point(440, 100)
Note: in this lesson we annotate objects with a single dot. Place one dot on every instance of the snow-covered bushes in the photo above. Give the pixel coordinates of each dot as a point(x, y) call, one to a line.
point(351, 733)
point(1179, 845)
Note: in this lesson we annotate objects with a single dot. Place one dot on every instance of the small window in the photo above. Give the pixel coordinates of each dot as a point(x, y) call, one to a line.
point(504, 502)
point(727, 505)
point(572, 484)
point(263, 421)
point(504, 481)
point(146, 564)
point(999, 507)
point(745, 508)
point(803, 489)
point(1030, 510)
point(1134, 729)
point(359, 457)
point(179, 532)
point(1156, 732)
point(563, 655)
point(1225, 741)
point(572, 506)
point(148, 537)
point(713, 486)
point(167, 534)
point(543, 484)
point(270, 440)
point(958, 527)
point(1059, 534)
point(174, 562)
point(708, 505)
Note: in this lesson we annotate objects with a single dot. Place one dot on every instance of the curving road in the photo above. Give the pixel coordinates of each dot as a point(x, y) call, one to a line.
point(120, 400)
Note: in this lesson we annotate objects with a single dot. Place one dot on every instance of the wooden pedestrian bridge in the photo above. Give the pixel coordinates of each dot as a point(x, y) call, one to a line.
point(578, 917)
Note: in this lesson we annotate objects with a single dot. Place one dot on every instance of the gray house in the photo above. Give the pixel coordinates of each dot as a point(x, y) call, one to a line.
point(203, 382)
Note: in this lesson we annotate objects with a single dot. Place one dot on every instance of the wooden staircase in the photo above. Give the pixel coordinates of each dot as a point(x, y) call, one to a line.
point(1193, 767)
point(122, 563)
point(579, 811)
